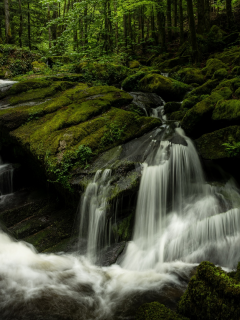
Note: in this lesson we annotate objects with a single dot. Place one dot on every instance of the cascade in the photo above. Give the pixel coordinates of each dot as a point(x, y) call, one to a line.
point(180, 220)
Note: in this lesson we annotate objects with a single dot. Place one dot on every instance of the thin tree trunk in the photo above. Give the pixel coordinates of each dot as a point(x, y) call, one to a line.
point(207, 10)
point(181, 22)
point(49, 29)
point(125, 30)
point(116, 25)
point(85, 25)
point(175, 15)
point(161, 28)
point(7, 22)
point(29, 28)
point(229, 13)
point(20, 24)
point(201, 16)
point(192, 30)
point(169, 19)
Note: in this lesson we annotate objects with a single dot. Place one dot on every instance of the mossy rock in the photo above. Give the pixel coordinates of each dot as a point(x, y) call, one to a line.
point(237, 93)
point(231, 38)
point(233, 84)
point(54, 133)
point(216, 33)
point(210, 145)
point(220, 74)
point(206, 88)
point(191, 75)
point(236, 70)
point(198, 119)
point(167, 88)
point(134, 64)
point(172, 107)
point(212, 66)
point(38, 67)
point(172, 63)
point(230, 56)
point(177, 115)
point(190, 102)
point(131, 83)
point(227, 112)
point(26, 85)
point(159, 59)
point(211, 294)
point(107, 73)
point(157, 311)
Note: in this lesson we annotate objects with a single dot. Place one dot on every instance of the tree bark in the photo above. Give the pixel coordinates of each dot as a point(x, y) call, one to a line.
point(207, 10)
point(20, 24)
point(161, 29)
point(229, 13)
point(7, 22)
point(49, 29)
point(175, 15)
point(201, 16)
point(192, 30)
point(181, 22)
point(29, 28)
point(169, 19)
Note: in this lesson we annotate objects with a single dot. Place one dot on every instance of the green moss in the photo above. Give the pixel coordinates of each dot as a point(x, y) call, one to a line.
point(190, 75)
point(124, 228)
point(216, 33)
point(169, 89)
point(131, 83)
point(190, 102)
point(211, 294)
point(237, 93)
point(38, 67)
point(210, 145)
point(157, 311)
point(230, 56)
point(177, 115)
point(172, 63)
point(134, 64)
point(220, 74)
point(212, 66)
point(197, 119)
point(228, 111)
point(39, 94)
point(236, 70)
point(233, 84)
point(206, 88)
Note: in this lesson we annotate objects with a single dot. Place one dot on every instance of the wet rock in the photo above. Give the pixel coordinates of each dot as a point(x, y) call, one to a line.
point(177, 139)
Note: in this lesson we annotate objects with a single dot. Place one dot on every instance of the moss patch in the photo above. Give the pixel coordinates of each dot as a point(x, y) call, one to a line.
point(157, 311)
point(167, 88)
point(210, 145)
point(228, 111)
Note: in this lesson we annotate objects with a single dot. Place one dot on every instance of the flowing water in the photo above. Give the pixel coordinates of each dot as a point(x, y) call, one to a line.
point(180, 220)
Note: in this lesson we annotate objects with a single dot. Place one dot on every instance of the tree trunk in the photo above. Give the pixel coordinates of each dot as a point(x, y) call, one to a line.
point(181, 22)
point(7, 22)
point(175, 15)
point(116, 25)
point(169, 19)
point(125, 30)
point(49, 29)
point(207, 10)
point(20, 24)
point(29, 28)
point(85, 25)
point(161, 29)
point(229, 13)
point(54, 27)
point(192, 30)
point(201, 16)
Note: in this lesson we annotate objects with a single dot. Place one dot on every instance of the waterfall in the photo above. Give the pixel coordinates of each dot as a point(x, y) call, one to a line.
point(93, 211)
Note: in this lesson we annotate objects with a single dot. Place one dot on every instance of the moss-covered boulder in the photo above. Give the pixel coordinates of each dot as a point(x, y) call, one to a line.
point(216, 33)
point(198, 119)
point(190, 102)
point(229, 56)
point(106, 73)
point(190, 75)
point(38, 67)
point(72, 128)
point(177, 115)
point(167, 88)
point(227, 112)
point(157, 311)
point(204, 89)
point(174, 63)
point(211, 294)
point(236, 70)
point(131, 83)
point(237, 93)
point(210, 145)
point(212, 66)
point(233, 84)
point(134, 64)
point(220, 74)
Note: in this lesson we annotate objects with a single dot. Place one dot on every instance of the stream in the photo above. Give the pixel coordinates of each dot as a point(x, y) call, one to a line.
point(180, 220)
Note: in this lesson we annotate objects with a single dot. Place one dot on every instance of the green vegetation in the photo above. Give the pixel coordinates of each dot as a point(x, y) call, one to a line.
point(232, 149)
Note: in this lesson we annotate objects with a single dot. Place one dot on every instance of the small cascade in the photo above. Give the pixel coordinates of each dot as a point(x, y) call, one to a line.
point(93, 213)
point(6, 84)
point(164, 74)
point(148, 102)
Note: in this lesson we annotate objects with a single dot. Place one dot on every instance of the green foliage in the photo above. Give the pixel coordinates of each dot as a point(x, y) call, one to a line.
point(60, 169)
point(113, 133)
point(232, 149)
